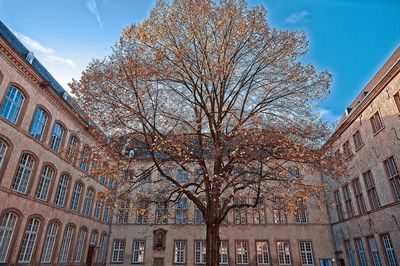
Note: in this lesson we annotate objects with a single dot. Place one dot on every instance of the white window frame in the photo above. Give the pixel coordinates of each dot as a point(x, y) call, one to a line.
point(200, 252)
point(24, 172)
point(39, 122)
point(62, 189)
point(284, 257)
point(66, 244)
point(306, 253)
point(14, 101)
point(262, 252)
point(180, 251)
point(224, 252)
point(3, 151)
point(45, 180)
point(87, 206)
point(242, 252)
point(7, 228)
point(76, 197)
point(138, 251)
point(51, 238)
point(80, 245)
point(118, 251)
point(389, 250)
point(29, 241)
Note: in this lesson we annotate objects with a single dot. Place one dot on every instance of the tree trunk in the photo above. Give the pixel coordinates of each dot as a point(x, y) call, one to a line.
point(213, 244)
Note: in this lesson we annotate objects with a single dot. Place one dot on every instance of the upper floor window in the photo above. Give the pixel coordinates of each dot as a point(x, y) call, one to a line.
point(87, 206)
point(397, 100)
point(3, 151)
point(359, 196)
point(392, 173)
point(376, 122)
point(29, 241)
point(123, 212)
point(71, 148)
point(12, 105)
point(198, 217)
point(389, 250)
point(182, 176)
point(38, 124)
point(50, 242)
point(362, 256)
point(347, 149)
point(181, 211)
point(338, 204)
point(44, 185)
point(301, 212)
point(371, 191)
point(259, 213)
point(97, 210)
point(62, 191)
point(24, 171)
point(76, 196)
point(56, 137)
point(7, 227)
point(240, 216)
point(347, 201)
point(279, 211)
point(161, 213)
point(84, 163)
point(358, 142)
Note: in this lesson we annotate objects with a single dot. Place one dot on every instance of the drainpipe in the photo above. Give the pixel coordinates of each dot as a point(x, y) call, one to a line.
point(109, 237)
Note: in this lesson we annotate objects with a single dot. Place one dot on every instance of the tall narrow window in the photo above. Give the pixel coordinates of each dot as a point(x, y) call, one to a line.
point(38, 124)
point(141, 215)
point(100, 250)
point(44, 185)
point(371, 191)
point(105, 214)
point(306, 253)
point(49, 243)
point(93, 238)
point(347, 149)
point(279, 211)
point(373, 250)
point(240, 216)
point(389, 250)
point(262, 252)
point(198, 217)
point(85, 155)
point(118, 251)
point(123, 212)
point(80, 245)
point(62, 191)
point(87, 206)
point(392, 173)
point(161, 213)
point(71, 148)
point(7, 227)
point(21, 180)
point(358, 142)
point(283, 253)
point(242, 252)
point(138, 251)
point(181, 211)
point(301, 212)
point(347, 201)
point(97, 210)
point(223, 252)
point(359, 196)
point(76, 196)
point(66, 244)
point(259, 213)
point(180, 251)
point(29, 241)
point(396, 98)
point(56, 137)
point(200, 252)
point(338, 204)
point(362, 258)
point(12, 105)
point(376, 122)
point(3, 150)
point(350, 252)
point(182, 176)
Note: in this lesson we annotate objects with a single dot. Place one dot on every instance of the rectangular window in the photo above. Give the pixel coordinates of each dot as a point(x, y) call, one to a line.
point(48, 247)
point(371, 191)
point(180, 251)
point(161, 214)
point(200, 252)
point(362, 258)
point(373, 251)
point(262, 252)
point(97, 210)
point(358, 142)
point(123, 213)
point(376, 122)
point(29, 241)
point(347, 149)
point(182, 176)
point(118, 251)
point(62, 191)
point(301, 213)
point(306, 253)
point(181, 211)
point(392, 173)
point(12, 105)
point(138, 251)
point(283, 253)
point(350, 253)
point(223, 252)
point(45, 180)
point(76, 196)
point(242, 252)
point(359, 196)
point(347, 201)
point(338, 204)
point(240, 216)
point(38, 124)
point(24, 171)
point(389, 250)
point(396, 98)
point(198, 217)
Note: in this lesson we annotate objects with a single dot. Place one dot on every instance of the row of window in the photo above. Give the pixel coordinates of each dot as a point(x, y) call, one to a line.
point(393, 176)
point(30, 239)
point(241, 252)
point(358, 252)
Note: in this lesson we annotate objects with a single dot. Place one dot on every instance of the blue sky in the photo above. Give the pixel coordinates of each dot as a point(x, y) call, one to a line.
point(349, 38)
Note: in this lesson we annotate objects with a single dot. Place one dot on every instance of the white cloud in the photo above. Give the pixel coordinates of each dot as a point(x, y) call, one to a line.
point(328, 116)
point(295, 18)
point(92, 6)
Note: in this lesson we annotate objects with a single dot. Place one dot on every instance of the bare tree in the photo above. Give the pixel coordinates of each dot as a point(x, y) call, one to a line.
point(209, 88)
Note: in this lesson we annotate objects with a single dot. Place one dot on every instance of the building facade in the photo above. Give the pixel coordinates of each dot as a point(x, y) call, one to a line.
point(365, 205)
point(48, 210)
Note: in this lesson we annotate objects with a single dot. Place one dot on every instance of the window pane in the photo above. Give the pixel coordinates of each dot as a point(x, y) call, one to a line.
point(23, 174)
point(7, 226)
point(56, 137)
point(38, 124)
point(12, 105)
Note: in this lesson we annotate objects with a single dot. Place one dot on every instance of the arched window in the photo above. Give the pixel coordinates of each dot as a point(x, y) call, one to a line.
point(66, 244)
point(62, 190)
point(7, 227)
point(93, 239)
point(71, 148)
point(12, 105)
point(3, 150)
point(85, 155)
point(87, 206)
point(76, 196)
point(100, 251)
point(49, 243)
point(38, 124)
point(44, 185)
point(97, 210)
point(56, 137)
point(29, 240)
point(80, 244)
point(25, 167)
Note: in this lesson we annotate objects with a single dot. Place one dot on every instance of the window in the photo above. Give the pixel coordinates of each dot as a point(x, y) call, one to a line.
point(141, 214)
point(93, 238)
point(373, 250)
point(71, 148)
point(200, 252)
point(359, 196)
point(181, 211)
point(242, 252)
point(105, 215)
point(371, 191)
point(46, 177)
point(62, 191)
point(123, 212)
point(283, 253)
point(76, 196)
point(3, 150)
point(358, 142)
point(138, 251)
point(223, 252)
point(259, 213)
point(118, 251)
point(56, 137)
point(49, 243)
point(80, 244)
point(180, 251)
point(390, 253)
point(240, 216)
point(103, 180)
point(66, 244)
point(347, 149)
point(338, 204)
point(182, 176)
point(12, 105)
point(100, 249)
point(301, 213)
point(7, 227)
point(306, 253)
point(376, 122)
point(29, 241)
point(84, 163)
point(349, 252)
point(347, 201)
point(325, 262)
point(198, 217)
point(396, 98)
point(38, 124)
point(392, 173)
point(262, 252)
point(279, 211)
point(25, 167)
point(87, 206)
point(362, 259)
point(161, 214)
point(97, 210)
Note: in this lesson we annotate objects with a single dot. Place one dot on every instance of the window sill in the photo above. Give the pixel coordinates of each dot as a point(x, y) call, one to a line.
point(359, 147)
point(377, 132)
